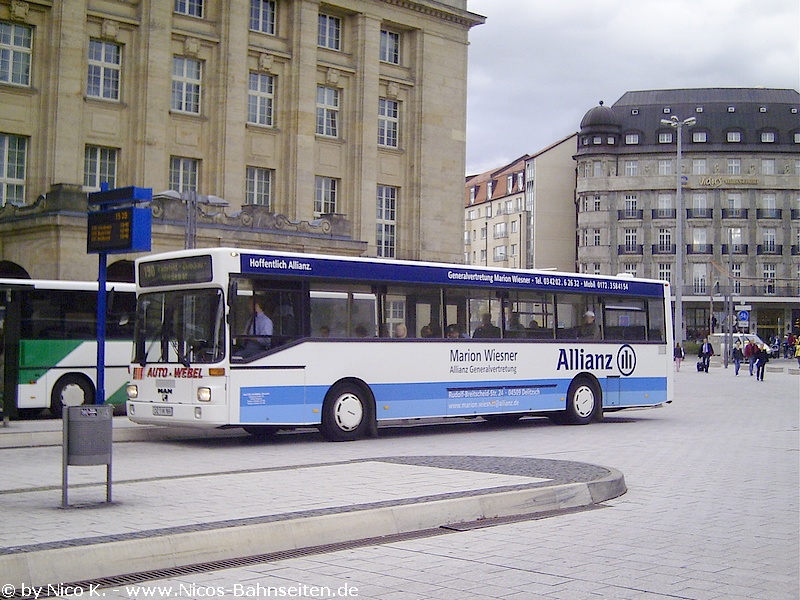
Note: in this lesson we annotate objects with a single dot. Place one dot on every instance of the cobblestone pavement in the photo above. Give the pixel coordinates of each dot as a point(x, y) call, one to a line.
point(711, 510)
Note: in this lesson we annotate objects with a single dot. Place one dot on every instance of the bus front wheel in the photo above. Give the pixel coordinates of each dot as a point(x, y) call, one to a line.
point(583, 400)
point(346, 413)
point(70, 390)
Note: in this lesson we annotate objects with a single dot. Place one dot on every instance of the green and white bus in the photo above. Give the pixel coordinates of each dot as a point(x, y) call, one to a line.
point(48, 344)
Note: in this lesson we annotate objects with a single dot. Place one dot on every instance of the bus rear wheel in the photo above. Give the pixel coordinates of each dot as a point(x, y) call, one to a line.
point(346, 413)
point(70, 390)
point(583, 400)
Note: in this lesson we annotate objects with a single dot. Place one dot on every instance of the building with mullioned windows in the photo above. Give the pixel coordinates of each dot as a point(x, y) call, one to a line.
point(740, 176)
point(333, 126)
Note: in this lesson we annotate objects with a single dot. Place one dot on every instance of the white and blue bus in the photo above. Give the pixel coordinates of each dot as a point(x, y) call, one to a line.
point(48, 344)
point(359, 341)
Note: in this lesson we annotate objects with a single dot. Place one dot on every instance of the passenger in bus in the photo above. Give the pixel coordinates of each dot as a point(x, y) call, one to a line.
point(360, 331)
point(325, 331)
point(453, 331)
point(258, 332)
point(590, 330)
point(400, 331)
point(486, 329)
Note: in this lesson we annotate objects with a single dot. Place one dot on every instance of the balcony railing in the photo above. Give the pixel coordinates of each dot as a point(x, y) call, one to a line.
point(629, 214)
point(734, 248)
point(768, 213)
point(699, 213)
point(664, 213)
point(769, 249)
point(734, 213)
point(700, 249)
point(663, 248)
point(630, 249)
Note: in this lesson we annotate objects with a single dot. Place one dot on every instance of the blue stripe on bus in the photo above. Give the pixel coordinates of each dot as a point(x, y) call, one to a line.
point(300, 404)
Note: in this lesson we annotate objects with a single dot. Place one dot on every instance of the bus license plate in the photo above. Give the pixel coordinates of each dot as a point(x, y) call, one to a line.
point(162, 411)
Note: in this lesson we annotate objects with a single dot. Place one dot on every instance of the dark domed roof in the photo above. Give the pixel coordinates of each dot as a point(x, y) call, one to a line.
point(600, 117)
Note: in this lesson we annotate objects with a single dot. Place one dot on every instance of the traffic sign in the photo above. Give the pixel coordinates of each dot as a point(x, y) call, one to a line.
point(743, 307)
point(743, 315)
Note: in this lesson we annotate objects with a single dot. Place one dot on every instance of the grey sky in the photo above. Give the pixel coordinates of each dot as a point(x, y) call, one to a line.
point(537, 66)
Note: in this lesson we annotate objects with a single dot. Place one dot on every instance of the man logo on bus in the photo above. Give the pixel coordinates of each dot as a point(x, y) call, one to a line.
point(626, 360)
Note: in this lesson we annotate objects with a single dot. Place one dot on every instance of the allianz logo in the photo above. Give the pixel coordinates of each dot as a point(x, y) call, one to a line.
point(579, 359)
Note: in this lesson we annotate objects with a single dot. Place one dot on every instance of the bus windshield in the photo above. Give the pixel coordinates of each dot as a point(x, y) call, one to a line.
point(180, 327)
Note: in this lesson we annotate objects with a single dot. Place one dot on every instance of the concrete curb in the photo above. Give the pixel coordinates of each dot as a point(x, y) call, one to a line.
point(139, 433)
point(94, 561)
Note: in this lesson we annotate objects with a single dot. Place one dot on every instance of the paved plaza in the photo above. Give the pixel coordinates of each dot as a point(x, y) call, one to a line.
point(711, 508)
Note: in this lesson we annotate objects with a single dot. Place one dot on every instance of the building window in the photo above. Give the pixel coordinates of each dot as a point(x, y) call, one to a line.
point(631, 269)
point(699, 278)
point(390, 47)
point(734, 201)
point(500, 230)
point(13, 159)
point(768, 240)
point(631, 168)
point(388, 122)
point(734, 166)
point(325, 193)
point(734, 136)
point(193, 8)
point(631, 205)
point(597, 167)
point(768, 137)
point(260, 99)
point(665, 137)
point(16, 42)
point(262, 16)
point(259, 186)
point(736, 275)
point(386, 221)
point(327, 111)
point(99, 166)
point(105, 61)
point(183, 174)
point(665, 167)
point(186, 80)
point(699, 166)
point(514, 226)
point(665, 272)
point(632, 139)
point(597, 202)
point(797, 138)
point(699, 200)
point(664, 238)
point(631, 238)
point(596, 237)
point(768, 166)
point(768, 274)
point(768, 201)
point(329, 32)
point(699, 137)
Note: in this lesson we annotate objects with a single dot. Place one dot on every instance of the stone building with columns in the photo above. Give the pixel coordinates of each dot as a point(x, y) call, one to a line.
point(325, 126)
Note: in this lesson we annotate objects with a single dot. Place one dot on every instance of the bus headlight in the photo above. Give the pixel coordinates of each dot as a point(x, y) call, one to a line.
point(132, 391)
point(204, 394)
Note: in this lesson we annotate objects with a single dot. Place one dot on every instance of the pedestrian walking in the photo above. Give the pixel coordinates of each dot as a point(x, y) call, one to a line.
point(750, 354)
point(678, 355)
point(797, 352)
point(738, 357)
point(705, 353)
point(762, 358)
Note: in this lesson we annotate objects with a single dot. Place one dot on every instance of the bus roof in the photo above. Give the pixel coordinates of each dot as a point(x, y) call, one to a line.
point(7, 283)
point(292, 265)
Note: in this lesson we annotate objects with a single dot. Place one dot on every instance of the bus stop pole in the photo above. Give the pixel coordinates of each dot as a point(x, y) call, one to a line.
point(100, 395)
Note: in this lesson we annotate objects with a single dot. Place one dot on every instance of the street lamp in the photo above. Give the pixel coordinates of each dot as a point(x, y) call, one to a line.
point(676, 123)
